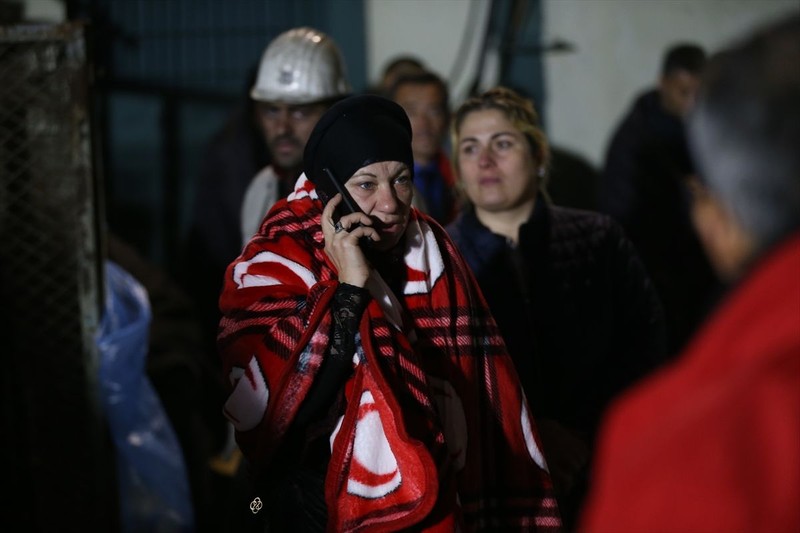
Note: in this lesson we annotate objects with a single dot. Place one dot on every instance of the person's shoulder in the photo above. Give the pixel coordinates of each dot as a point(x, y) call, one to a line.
point(636, 116)
point(264, 181)
point(630, 130)
point(295, 214)
point(588, 231)
point(464, 227)
point(266, 174)
point(644, 104)
point(288, 221)
point(646, 99)
point(455, 226)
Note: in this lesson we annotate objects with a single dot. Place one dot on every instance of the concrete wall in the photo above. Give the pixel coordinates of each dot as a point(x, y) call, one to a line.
point(445, 34)
point(619, 47)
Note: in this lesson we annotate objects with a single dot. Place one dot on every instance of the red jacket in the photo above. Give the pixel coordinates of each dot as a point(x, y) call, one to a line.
point(713, 442)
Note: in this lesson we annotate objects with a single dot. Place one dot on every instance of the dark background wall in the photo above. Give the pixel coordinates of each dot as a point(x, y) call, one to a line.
point(167, 76)
point(168, 73)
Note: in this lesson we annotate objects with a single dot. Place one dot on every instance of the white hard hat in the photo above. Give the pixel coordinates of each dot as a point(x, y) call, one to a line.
point(300, 66)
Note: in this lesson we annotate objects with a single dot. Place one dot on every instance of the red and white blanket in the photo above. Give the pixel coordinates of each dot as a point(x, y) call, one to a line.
point(436, 434)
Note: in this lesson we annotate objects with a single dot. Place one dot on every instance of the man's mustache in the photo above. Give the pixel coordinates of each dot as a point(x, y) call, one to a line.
point(287, 138)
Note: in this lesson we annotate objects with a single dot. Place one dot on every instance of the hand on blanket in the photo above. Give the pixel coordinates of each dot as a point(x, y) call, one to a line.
point(342, 246)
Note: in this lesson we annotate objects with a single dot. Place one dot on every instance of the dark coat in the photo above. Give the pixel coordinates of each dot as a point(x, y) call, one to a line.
point(230, 161)
point(581, 318)
point(643, 186)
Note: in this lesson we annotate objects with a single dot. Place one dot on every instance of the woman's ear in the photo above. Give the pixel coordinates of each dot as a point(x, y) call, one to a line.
point(728, 246)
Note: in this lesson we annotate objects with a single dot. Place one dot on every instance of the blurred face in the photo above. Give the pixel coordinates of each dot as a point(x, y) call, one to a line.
point(495, 162)
point(383, 191)
point(287, 128)
point(678, 92)
point(424, 104)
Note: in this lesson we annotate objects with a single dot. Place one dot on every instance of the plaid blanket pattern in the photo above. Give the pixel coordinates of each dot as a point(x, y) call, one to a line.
point(436, 435)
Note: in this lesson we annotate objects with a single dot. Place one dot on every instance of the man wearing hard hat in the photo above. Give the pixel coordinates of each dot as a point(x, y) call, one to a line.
point(300, 75)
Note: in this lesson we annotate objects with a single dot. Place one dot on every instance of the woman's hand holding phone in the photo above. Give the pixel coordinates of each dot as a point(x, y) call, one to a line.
point(342, 241)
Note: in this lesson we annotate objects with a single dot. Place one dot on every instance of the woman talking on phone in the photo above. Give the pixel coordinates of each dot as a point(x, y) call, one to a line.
point(369, 387)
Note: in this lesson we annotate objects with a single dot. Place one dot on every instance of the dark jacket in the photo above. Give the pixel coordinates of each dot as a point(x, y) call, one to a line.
point(644, 188)
point(230, 160)
point(580, 317)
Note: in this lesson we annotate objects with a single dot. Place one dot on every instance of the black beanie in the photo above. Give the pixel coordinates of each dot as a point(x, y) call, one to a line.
point(356, 132)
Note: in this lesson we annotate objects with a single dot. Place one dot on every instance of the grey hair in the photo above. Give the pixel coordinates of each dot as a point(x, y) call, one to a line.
point(745, 132)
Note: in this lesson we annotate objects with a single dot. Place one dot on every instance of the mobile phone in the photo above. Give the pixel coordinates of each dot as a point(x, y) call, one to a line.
point(327, 188)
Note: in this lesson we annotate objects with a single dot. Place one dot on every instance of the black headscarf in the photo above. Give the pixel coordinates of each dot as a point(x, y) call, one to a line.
point(356, 132)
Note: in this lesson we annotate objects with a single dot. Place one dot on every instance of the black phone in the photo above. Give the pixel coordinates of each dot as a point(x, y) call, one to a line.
point(327, 188)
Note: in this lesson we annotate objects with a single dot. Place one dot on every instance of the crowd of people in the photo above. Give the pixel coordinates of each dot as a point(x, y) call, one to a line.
point(411, 334)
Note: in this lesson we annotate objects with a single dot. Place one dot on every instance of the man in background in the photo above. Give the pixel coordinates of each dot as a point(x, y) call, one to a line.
point(395, 67)
point(643, 186)
point(712, 443)
point(301, 74)
point(425, 98)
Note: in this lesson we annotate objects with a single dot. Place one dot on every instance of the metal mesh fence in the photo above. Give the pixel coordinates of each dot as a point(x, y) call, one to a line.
point(50, 285)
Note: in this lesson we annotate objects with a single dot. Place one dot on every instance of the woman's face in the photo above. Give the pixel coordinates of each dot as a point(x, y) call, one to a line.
point(495, 163)
point(383, 191)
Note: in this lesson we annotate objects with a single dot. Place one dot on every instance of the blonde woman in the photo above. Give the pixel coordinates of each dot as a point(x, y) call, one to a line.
point(578, 313)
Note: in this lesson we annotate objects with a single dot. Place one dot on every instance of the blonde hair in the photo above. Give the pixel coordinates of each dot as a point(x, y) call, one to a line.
point(522, 115)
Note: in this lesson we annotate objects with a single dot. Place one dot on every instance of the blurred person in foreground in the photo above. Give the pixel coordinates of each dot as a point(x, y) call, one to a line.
point(369, 386)
point(571, 298)
point(425, 98)
point(712, 443)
